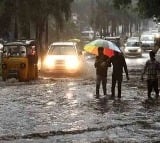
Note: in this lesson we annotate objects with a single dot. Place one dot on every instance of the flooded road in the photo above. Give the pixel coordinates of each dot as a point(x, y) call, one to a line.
point(64, 110)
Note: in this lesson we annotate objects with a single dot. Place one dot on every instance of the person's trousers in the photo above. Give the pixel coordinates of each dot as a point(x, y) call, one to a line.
point(114, 81)
point(99, 80)
point(152, 84)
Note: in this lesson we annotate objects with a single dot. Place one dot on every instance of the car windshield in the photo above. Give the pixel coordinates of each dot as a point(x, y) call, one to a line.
point(62, 50)
point(147, 38)
point(14, 51)
point(132, 44)
point(133, 38)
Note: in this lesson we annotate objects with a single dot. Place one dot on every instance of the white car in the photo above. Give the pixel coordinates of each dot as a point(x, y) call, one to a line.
point(1, 47)
point(147, 41)
point(133, 49)
point(133, 38)
point(63, 57)
point(158, 55)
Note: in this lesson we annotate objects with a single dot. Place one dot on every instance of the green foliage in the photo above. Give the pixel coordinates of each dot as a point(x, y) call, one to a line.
point(35, 11)
point(148, 8)
point(2, 7)
point(119, 4)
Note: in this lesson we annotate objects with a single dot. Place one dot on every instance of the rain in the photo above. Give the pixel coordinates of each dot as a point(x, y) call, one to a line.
point(65, 110)
point(56, 103)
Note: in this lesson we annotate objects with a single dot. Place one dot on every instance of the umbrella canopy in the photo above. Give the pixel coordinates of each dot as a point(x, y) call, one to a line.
point(108, 46)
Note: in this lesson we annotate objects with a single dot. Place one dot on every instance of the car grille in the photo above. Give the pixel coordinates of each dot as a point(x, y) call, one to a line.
point(132, 50)
point(60, 62)
point(146, 45)
point(12, 73)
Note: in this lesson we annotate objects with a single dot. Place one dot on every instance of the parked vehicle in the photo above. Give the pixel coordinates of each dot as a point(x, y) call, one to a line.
point(133, 38)
point(158, 55)
point(133, 49)
point(19, 60)
point(1, 47)
point(157, 49)
point(115, 40)
point(87, 35)
point(2, 42)
point(147, 41)
point(63, 57)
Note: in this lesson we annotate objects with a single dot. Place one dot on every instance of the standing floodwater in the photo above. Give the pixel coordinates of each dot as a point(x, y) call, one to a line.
point(63, 110)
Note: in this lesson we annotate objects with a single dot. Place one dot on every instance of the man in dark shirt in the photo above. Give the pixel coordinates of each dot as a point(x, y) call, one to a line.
point(119, 63)
point(101, 65)
point(152, 67)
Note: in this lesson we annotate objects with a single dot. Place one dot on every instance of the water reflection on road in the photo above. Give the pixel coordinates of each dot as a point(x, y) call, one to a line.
point(134, 61)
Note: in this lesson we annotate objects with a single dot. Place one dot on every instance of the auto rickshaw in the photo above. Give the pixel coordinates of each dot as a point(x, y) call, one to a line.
point(20, 60)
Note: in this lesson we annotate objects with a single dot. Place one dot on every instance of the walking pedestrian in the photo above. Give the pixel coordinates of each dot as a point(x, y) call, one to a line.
point(101, 65)
point(119, 63)
point(152, 67)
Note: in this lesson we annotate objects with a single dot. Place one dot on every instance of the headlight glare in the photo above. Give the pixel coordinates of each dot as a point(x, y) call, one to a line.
point(72, 62)
point(139, 50)
point(49, 61)
point(125, 50)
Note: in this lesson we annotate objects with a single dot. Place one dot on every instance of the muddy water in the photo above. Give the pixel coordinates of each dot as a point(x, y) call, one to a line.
point(64, 110)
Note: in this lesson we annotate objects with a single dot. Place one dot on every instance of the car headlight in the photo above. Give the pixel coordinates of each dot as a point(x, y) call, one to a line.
point(125, 50)
point(72, 62)
point(49, 61)
point(139, 50)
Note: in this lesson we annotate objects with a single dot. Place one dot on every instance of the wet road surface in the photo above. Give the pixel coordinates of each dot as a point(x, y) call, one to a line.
point(64, 110)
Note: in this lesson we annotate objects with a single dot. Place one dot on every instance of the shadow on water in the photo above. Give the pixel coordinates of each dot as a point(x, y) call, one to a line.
point(151, 103)
point(104, 105)
point(119, 106)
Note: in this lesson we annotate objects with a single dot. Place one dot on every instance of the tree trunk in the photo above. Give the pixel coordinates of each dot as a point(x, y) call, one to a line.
point(46, 34)
point(57, 32)
point(16, 28)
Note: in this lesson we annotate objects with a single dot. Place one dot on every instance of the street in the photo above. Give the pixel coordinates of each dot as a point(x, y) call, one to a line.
point(48, 81)
point(64, 110)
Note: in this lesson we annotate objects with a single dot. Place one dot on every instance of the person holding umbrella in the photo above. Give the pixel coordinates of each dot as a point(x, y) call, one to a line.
point(101, 64)
point(104, 50)
point(119, 63)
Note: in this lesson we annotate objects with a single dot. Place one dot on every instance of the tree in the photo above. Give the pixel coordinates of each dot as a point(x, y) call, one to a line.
point(23, 13)
point(106, 19)
point(121, 4)
point(146, 8)
point(6, 12)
